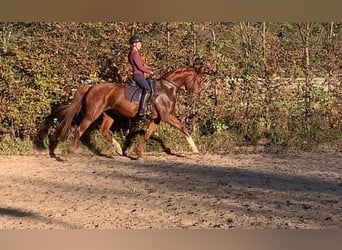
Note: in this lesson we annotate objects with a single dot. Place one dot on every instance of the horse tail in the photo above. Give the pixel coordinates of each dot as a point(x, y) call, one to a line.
point(68, 111)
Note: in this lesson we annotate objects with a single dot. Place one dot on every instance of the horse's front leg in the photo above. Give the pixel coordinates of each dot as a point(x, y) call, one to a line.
point(173, 121)
point(151, 126)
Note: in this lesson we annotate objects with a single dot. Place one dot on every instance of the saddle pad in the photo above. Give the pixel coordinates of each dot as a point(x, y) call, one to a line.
point(132, 93)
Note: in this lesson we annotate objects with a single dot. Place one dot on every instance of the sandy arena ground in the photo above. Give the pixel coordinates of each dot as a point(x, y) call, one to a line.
point(167, 191)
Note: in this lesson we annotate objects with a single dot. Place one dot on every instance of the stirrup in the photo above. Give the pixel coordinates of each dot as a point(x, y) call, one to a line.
point(144, 112)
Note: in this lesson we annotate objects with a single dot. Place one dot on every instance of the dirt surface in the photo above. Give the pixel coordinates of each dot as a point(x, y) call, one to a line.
point(162, 191)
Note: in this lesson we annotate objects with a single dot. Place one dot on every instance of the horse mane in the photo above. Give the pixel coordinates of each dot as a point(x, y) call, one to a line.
point(176, 71)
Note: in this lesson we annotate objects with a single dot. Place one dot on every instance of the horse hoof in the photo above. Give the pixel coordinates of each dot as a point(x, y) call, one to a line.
point(71, 152)
point(139, 155)
point(139, 158)
point(195, 151)
point(119, 152)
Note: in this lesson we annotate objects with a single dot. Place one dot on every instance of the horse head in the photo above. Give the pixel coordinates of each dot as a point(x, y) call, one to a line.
point(189, 77)
point(195, 87)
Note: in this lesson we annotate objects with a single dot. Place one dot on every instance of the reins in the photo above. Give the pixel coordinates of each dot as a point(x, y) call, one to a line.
point(172, 83)
point(178, 87)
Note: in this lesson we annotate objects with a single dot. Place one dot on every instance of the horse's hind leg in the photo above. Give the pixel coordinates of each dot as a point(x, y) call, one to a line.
point(79, 132)
point(86, 122)
point(149, 130)
point(107, 122)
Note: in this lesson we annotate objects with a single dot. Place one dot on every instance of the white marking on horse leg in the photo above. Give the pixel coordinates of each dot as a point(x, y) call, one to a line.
point(117, 147)
point(192, 144)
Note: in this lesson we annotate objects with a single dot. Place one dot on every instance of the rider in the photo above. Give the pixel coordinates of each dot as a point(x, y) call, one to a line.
point(138, 70)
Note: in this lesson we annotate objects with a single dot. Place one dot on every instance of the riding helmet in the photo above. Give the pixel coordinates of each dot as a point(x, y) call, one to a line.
point(134, 39)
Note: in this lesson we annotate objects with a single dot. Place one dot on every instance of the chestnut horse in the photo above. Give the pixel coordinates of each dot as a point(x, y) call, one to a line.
point(109, 98)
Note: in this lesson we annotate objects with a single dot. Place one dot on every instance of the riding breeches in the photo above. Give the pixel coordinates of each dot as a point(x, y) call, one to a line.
point(142, 82)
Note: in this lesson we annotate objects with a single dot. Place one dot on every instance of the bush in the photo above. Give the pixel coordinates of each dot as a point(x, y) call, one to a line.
point(243, 97)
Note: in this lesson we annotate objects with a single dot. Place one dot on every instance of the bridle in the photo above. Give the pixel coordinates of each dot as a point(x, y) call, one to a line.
point(171, 82)
point(178, 87)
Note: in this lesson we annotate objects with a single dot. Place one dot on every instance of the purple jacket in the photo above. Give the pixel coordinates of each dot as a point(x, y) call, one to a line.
point(135, 60)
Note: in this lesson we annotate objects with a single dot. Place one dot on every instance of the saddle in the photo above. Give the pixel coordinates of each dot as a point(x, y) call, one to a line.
point(133, 92)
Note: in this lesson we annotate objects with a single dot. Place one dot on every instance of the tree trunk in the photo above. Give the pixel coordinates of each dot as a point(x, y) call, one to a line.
point(267, 81)
point(245, 37)
point(305, 31)
point(331, 33)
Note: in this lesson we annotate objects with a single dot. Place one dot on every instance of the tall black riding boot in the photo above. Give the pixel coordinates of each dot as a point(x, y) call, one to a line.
point(142, 105)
